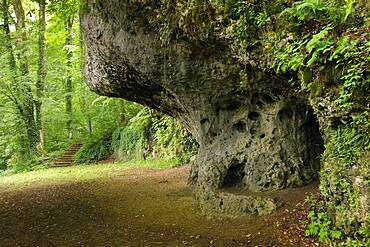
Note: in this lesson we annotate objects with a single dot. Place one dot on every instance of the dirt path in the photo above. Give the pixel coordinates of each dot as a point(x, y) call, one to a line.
point(136, 207)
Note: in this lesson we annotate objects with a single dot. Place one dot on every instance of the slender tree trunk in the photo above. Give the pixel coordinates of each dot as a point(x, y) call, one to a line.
point(8, 41)
point(25, 89)
point(21, 36)
point(68, 86)
point(12, 89)
point(40, 84)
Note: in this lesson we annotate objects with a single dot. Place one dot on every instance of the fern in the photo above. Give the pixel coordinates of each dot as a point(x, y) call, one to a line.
point(321, 10)
point(347, 9)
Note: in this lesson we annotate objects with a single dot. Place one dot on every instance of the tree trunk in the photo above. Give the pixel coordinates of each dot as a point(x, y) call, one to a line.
point(40, 85)
point(11, 89)
point(24, 87)
point(68, 86)
point(8, 43)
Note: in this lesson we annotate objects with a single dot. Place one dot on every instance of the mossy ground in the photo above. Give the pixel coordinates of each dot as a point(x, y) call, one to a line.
point(81, 173)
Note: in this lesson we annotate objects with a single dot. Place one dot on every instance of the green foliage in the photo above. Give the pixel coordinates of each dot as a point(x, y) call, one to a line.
point(95, 149)
point(65, 9)
point(150, 134)
point(346, 53)
point(130, 141)
point(331, 56)
point(169, 138)
point(347, 144)
point(319, 11)
point(345, 172)
point(262, 19)
point(16, 86)
point(320, 224)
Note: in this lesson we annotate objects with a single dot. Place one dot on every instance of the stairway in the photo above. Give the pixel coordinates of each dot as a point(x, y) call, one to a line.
point(67, 157)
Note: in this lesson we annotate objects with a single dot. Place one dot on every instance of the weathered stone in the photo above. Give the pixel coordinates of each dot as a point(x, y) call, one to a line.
point(257, 136)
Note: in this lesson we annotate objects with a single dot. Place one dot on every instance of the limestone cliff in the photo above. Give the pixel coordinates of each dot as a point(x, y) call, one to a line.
point(255, 130)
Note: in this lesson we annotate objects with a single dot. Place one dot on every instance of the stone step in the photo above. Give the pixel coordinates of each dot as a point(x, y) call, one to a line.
point(64, 161)
point(67, 158)
point(70, 152)
point(68, 155)
point(60, 165)
point(75, 146)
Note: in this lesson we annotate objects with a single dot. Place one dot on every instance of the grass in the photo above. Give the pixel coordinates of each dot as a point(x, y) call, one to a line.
point(50, 176)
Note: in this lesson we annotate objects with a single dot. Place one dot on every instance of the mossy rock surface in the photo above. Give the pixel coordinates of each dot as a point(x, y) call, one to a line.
point(253, 88)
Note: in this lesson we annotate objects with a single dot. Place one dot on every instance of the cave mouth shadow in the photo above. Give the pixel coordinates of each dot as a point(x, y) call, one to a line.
point(234, 176)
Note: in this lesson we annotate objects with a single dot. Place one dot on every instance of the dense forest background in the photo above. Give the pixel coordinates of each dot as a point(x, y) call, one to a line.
point(45, 104)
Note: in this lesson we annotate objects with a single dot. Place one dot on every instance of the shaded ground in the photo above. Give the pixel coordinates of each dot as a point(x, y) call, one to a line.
point(136, 207)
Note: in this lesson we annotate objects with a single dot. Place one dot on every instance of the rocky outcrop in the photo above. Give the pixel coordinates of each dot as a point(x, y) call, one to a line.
point(255, 136)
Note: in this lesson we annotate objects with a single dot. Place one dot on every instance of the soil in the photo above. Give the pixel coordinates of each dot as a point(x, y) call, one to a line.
point(139, 207)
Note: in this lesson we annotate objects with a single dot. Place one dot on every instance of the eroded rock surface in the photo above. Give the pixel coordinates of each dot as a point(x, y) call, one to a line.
point(256, 136)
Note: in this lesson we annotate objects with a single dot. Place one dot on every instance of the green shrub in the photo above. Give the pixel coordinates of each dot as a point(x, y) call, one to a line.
point(321, 225)
point(152, 135)
point(131, 141)
point(95, 149)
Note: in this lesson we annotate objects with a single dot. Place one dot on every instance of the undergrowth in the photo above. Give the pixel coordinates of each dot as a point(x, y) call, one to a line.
point(95, 149)
point(147, 135)
point(320, 224)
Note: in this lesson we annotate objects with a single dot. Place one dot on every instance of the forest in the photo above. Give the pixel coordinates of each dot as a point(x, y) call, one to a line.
point(185, 123)
point(46, 106)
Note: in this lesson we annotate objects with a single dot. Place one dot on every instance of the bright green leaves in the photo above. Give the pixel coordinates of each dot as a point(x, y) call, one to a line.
point(347, 145)
point(303, 9)
point(64, 9)
point(344, 161)
point(319, 223)
point(150, 134)
point(347, 52)
point(262, 19)
point(342, 48)
point(346, 10)
point(319, 41)
point(322, 11)
point(291, 59)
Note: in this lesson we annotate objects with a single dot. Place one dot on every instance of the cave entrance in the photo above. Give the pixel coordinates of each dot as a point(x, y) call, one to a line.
point(314, 144)
point(234, 175)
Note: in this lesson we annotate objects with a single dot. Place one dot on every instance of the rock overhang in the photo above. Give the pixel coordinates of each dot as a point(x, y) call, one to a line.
point(255, 133)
